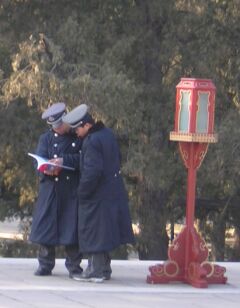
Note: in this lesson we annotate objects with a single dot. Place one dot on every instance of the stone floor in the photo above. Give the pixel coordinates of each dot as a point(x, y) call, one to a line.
point(127, 288)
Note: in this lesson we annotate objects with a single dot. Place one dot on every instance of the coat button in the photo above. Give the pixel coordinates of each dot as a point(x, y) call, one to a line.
point(55, 145)
point(56, 179)
point(56, 135)
point(73, 144)
point(55, 156)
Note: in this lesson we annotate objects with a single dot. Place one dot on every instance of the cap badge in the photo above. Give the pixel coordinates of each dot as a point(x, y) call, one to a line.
point(51, 119)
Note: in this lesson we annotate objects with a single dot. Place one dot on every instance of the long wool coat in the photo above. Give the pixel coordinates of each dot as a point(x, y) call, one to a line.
point(104, 219)
point(55, 214)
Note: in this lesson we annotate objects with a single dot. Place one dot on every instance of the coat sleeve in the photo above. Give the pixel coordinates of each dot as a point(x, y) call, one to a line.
point(71, 160)
point(91, 171)
point(42, 150)
point(42, 147)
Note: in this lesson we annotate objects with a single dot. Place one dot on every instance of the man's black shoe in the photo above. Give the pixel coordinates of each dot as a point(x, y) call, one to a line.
point(72, 275)
point(76, 272)
point(86, 277)
point(42, 272)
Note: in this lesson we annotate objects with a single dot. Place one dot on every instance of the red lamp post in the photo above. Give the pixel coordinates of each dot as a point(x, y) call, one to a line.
point(194, 126)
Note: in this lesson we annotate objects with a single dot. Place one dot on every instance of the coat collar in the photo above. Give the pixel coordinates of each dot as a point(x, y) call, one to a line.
point(96, 127)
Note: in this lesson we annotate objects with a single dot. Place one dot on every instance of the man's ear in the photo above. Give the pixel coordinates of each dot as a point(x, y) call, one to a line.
point(88, 125)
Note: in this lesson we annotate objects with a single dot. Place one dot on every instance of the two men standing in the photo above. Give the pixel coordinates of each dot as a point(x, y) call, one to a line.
point(104, 220)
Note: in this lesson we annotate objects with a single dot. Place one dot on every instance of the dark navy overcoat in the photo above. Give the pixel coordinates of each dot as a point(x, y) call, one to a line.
point(104, 218)
point(55, 215)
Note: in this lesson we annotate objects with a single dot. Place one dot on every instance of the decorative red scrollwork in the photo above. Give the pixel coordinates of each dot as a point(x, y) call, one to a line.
point(200, 150)
point(198, 271)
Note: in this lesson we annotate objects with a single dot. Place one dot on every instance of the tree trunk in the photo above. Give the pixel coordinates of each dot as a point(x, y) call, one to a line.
point(236, 245)
point(153, 239)
point(218, 239)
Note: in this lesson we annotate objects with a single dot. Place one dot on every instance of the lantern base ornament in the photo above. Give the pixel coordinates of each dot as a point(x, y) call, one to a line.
point(188, 263)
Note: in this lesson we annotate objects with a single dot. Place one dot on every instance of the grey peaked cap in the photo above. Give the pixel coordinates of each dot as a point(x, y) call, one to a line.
point(54, 114)
point(76, 116)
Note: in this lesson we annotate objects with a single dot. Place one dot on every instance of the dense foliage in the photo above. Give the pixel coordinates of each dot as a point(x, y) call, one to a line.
point(123, 58)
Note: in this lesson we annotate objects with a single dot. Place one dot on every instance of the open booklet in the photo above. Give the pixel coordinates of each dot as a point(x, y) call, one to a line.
point(44, 163)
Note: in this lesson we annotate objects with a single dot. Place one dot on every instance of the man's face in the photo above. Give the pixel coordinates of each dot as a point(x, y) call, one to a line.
point(62, 129)
point(82, 131)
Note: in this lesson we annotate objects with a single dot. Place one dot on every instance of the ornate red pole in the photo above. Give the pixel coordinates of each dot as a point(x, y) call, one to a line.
point(194, 123)
point(191, 188)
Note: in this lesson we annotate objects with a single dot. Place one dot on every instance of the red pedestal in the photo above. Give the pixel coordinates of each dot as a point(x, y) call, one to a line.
point(188, 254)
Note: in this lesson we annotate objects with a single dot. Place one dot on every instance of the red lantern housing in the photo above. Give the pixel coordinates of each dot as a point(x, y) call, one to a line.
point(194, 116)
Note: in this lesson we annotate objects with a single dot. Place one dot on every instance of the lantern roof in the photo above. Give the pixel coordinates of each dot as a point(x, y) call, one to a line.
point(198, 83)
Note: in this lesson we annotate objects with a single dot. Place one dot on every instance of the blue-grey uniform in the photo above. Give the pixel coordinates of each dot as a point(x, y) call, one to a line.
point(55, 214)
point(104, 218)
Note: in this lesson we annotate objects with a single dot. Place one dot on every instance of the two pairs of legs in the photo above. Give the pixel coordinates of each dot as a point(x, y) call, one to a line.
point(98, 268)
point(46, 259)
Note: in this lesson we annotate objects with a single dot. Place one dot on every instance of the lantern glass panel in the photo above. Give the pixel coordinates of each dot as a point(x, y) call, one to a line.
point(184, 111)
point(202, 112)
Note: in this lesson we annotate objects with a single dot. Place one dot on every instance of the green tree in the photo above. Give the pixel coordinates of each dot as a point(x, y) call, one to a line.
point(124, 59)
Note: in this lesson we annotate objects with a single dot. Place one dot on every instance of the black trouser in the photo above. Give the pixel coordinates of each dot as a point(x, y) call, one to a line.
point(46, 258)
point(99, 265)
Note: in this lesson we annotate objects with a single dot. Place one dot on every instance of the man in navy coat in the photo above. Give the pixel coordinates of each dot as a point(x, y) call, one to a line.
point(104, 221)
point(55, 215)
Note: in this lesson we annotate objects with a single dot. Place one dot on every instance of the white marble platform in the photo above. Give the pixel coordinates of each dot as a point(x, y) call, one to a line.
point(127, 288)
